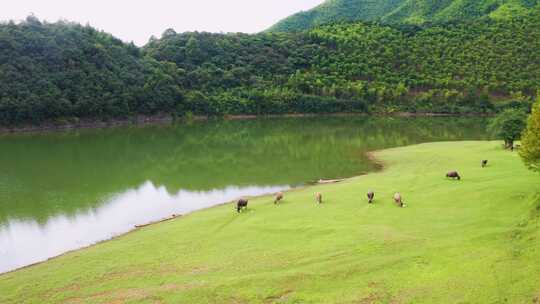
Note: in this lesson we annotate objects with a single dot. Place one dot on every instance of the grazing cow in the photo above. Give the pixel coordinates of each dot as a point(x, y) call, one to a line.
point(370, 196)
point(398, 199)
point(278, 198)
point(484, 163)
point(242, 204)
point(318, 198)
point(453, 175)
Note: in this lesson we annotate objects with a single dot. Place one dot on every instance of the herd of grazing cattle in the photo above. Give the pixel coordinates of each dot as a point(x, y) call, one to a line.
point(398, 199)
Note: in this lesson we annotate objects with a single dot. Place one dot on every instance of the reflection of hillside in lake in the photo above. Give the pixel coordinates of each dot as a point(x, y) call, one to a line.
point(64, 179)
point(23, 242)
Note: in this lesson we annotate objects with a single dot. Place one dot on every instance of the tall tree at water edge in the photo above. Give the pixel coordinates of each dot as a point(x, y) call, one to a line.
point(530, 151)
point(508, 125)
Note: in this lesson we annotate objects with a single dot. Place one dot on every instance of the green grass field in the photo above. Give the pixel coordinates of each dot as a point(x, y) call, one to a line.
point(470, 241)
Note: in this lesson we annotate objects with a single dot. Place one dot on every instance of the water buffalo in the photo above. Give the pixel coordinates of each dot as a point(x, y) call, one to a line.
point(318, 198)
point(278, 197)
point(484, 163)
point(241, 204)
point(370, 196)
point(398, 199)
point(453, 175)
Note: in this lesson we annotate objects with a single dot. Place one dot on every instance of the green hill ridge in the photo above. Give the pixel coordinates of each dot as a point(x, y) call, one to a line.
point(402, 11)
point(337, 10)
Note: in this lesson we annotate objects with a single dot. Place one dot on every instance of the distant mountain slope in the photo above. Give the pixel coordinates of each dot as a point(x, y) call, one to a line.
point(420, 11)
point(402, 11)
point(338, 10)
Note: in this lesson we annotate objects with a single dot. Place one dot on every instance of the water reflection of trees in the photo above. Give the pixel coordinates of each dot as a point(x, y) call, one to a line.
point(46, 174)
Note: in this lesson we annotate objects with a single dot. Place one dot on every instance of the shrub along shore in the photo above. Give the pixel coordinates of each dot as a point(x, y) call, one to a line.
point(474, 240)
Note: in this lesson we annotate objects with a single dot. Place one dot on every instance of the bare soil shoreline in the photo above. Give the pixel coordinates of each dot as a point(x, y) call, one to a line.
point(167, 119)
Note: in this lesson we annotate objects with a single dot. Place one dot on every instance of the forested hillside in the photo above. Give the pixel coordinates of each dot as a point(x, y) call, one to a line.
point(403, 12)
point(336, 11)
point(54, 72)
point(65, 70)
point(421, 11)
point(343, 67)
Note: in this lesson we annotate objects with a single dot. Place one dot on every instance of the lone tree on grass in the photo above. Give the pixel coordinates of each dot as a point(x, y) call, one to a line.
point(530, 141)
point(508, 125)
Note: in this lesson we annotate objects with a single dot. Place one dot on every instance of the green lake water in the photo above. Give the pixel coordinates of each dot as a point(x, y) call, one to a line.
point(61, 191)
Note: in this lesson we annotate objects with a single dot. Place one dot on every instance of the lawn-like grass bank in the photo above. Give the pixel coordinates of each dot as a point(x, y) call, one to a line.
point(472, 241)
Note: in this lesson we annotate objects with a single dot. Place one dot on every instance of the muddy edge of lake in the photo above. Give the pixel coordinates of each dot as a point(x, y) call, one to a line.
point(168, 119)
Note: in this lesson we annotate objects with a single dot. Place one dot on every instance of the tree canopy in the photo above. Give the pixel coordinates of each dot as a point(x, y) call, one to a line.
point(530, 141)
point(58, 70)
point(508, 125)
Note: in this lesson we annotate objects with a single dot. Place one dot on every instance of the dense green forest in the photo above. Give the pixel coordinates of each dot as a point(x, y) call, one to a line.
point(403, 12)
point(64, 71)
point(462, 67)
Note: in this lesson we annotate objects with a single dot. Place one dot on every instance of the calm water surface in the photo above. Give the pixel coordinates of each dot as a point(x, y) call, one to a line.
point(65, 190)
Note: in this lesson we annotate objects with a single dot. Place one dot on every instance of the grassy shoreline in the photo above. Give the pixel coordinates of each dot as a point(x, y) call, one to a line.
point(469, 241)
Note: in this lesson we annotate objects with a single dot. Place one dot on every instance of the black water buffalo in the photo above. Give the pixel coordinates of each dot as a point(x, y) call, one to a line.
point(370, 196)
point(398, 199)
point(318, 198)
point(278, 197)
point(484, 163)
point(453, 175)
point(241, 204)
